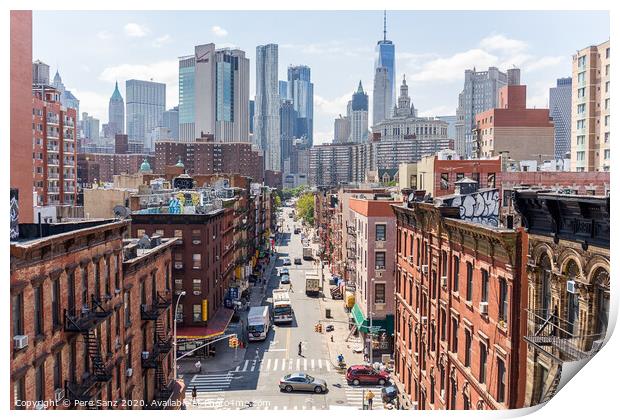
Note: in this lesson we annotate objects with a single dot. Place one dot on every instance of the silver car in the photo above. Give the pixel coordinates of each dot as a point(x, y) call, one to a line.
point(302, 382)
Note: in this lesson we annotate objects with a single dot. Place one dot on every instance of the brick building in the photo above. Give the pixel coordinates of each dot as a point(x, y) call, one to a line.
point(54, 151)
point(522, 133)
point(121, 144)
point(21, 114)
point(209, 157)
point(568, 285)
point(70, 315)
point(111, 164)
point(458, 330)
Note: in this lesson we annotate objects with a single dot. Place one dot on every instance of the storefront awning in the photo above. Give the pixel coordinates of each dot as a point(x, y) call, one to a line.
point(215, 327)
point(378, 325)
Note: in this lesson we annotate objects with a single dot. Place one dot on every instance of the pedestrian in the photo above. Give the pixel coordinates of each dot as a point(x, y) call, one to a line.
point(198, 366)
point(299, 346)
point(290, 287)
point(194, 395)
point(369, 396)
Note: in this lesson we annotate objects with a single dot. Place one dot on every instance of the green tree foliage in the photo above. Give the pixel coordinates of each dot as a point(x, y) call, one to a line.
point(278, 201)
point(305, 208)
point(293, 192)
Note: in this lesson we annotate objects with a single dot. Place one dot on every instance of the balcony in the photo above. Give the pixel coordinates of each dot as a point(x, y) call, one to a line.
point(555, 337)
point(69, 123)
point(84, 320)
point(52, 120)
point(351, 231)
point(52, 148)
point(53, 190)
point(153, 311)
point(52, 134)
point(53, 175)
point(53, 162)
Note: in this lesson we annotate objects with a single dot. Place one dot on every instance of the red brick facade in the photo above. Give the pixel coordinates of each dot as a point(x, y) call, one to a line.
point(485, 171)
point(444, 331)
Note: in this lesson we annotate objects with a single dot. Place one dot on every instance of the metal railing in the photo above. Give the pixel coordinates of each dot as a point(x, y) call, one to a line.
point(545, 329)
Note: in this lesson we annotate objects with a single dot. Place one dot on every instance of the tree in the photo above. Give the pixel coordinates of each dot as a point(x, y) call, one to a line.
point(278, 201)
point(305, 208)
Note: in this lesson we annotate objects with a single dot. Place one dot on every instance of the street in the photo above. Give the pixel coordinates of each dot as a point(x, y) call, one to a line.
point(253, 383)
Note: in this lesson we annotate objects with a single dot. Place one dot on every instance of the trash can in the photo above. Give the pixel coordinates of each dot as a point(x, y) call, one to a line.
point(328, 313)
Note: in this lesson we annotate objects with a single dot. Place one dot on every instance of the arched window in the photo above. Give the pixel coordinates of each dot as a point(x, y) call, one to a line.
point(601, 281)
point(545, 290)
point(572, 297)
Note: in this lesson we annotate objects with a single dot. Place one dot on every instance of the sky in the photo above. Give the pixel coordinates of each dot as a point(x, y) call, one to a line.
point(93, 49)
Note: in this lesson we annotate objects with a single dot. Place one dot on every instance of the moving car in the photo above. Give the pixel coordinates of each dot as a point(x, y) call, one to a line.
point(307, 253)
point(286, 261)
point(298, 261)
point(300, 381)
point(285, 279)
point(363, 374)
point(283, 271)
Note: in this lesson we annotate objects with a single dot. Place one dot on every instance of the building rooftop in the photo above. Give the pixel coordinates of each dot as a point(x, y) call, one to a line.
point(31, 234)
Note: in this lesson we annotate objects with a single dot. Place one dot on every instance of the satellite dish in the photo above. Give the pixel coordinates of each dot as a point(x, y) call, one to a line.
point(144, 242)
point(121, 212)
point(411, 197)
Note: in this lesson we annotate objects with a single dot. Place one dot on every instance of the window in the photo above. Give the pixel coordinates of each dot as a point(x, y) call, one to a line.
point(178, 233)
point(38, 311)
point(501, 380)
point(606, 154)
point(197, 313)
point(128, 355)
point(491, 180)
point(19, 393)
point(17, 309)
point(581, 140)
point(443, 324)
point(58, 370)
point(455, 335)
point(127, 306)
point(56, 303)
point(432, 396)
point(380, 260)
point(581, 61)
point(607, 53)
point(418, 252)
point(196, 234)
point(607, 103)
point(581, 155)
point(467, 348)
point(606, 120)
point(581, 108)
point(444, 183)
point(97, 280)
point(606, 87)
point(40, 382)
point(470, 281)
point(607, 70)
point(85, 287)
point(503, 300)
point(483, 363)
point(140, 233)
point(485, 286)
point(179, 314)
point(379, 292)
point(197, 286)
point(455, 277)
point(581, 92)
point(380, 232)
point(196, 258)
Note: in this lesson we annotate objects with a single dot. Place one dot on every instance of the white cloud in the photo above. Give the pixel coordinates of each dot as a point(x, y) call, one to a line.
point(437, 111)
point(162, 40)
point(333, 106)
point(322, 137)
point(451, 69)
point(96, 104)
point(219, 31)
point(162, 71)
point(135, 30)
point(502, 44)
point(545, 62)
point(103, 35)
point(331, 47)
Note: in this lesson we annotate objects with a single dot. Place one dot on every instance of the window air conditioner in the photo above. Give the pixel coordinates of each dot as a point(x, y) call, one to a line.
point(145, 355)
point(570, 287)
point(425, 268)
point(129, 372)
point(20, 341)
point(444, 281)
point(484, 308)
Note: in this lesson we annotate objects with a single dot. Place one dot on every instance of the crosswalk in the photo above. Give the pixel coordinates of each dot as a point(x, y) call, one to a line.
point(355, 395)
point(281, 365)
point(211, 382)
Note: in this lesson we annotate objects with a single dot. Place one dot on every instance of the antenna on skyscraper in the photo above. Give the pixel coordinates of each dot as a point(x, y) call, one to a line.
point(384, 26)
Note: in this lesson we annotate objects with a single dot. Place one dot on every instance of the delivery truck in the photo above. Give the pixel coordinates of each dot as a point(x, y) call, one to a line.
point(307, 253)
point(259, 323)
point(313, 283)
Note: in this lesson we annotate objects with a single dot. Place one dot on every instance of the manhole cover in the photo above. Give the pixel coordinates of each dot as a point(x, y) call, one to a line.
point(339, 402)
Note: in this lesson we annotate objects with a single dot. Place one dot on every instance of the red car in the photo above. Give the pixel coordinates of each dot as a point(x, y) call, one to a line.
point(358, 374)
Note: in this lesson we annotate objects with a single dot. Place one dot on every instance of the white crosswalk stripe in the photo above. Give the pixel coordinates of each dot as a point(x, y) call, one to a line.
point(274, 365)
point(211, 382)
point(355, 395)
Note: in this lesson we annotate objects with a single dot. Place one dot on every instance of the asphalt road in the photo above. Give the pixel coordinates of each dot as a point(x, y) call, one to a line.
point(254, 383)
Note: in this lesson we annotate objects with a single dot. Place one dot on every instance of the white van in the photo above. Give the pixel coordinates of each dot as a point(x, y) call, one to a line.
point(259, 323)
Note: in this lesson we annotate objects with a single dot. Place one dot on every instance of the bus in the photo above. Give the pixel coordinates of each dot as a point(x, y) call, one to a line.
point(258, 323)
point(282, 309)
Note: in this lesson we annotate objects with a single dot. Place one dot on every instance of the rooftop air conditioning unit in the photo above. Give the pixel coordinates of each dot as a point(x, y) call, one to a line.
point(145, 354)
point(59, 394)
point(129, 372)
point(444, 281)
point(425, 268)
point(20, 342)
point(570, 287)
point(484, 308)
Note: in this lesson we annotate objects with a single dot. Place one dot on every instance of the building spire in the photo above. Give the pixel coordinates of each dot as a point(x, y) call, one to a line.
point(384, 26)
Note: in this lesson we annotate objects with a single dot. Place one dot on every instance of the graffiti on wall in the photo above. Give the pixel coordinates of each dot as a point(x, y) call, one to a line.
point(14, 214)
point(479, 207)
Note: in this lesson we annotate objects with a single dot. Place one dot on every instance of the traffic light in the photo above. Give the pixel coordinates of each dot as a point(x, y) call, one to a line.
point(233, 342)
point(318, 328)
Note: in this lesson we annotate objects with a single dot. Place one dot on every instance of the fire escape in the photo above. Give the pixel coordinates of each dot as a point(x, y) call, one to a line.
point(85, 322)
point(351, 256)
point(162, 345)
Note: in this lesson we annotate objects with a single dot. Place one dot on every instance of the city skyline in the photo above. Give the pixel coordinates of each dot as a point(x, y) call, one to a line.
point(153, 42)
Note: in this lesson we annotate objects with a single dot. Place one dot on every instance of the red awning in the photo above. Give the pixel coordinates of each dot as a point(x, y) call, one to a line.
point(215, 326)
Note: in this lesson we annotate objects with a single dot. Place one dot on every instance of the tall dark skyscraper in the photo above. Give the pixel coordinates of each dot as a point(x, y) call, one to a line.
point(288, 119)
point(560, 102)
point(301, 92)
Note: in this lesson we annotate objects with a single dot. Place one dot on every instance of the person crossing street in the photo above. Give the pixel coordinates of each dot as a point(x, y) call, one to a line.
point(369, 396)
point(299, 347)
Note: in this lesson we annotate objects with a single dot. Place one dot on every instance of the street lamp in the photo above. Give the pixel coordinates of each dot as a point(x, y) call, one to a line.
point(176, 308)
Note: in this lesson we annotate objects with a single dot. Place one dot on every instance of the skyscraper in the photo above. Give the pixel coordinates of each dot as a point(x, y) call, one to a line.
point(170, 120)
point(267, 103)
point(116, 113)
point(342, 129)
point(560, 109)
point(146, 102)
point(288, 118)
point(221, 93)
point(40, 73)
point(187, 75)
point(384, 90)
point(480, 93)
point(359, 115)
point(67, 99)
point(301, 91)
point(283, 87)
point(251, 108)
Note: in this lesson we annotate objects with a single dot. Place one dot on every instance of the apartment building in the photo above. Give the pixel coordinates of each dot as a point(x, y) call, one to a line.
point(590, 121)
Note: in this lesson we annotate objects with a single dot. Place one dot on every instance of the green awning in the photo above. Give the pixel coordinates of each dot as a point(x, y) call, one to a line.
point(378, 325)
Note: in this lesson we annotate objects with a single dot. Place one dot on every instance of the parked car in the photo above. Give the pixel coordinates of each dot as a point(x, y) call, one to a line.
point(286, 261)
point(283, 271)
point(285, 279)
point(297, 230)
point(363, 374)
point(389, 394)
point(298, 261)
point(302, 382)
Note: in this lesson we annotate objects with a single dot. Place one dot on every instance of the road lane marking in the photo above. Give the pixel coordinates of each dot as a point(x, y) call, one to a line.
point(245, 365)
point(275, 364)
point(297, 364)
point(327, 366)
point(269, 363)
point(305, 364)
point(320, 364)
point(290, 364)
point(312, 364)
